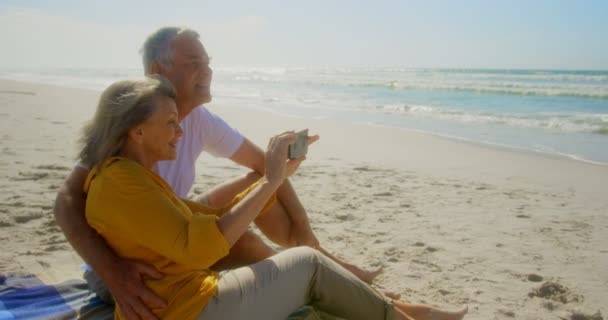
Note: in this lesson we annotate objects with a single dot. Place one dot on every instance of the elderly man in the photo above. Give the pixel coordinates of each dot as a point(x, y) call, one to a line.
point(178, 54)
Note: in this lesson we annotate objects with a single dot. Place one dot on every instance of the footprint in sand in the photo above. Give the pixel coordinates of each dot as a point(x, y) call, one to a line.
point(444, 292)
point(43, 263)
point(27, 217)
point(55, 248)
point(34, 176)
point(345, 217)
point(578, 315)
point(55, 167)
point(5, 224)
point(507, 313)
point(383, 194)
point(431, 266)
point(55, 239)
point(9, 152)
point(556, 292)
point(535, 277)
point(390, 251)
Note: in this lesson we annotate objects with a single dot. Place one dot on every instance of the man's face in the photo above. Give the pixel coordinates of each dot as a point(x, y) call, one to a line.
point(190, 74)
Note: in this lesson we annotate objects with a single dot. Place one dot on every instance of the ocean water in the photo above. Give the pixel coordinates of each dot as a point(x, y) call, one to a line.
point(556, 112)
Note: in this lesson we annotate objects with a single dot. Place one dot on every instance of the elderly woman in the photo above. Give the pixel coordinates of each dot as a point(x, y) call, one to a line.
point(135, 126)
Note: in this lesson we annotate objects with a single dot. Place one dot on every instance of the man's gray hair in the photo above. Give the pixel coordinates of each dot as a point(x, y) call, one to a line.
point(157, 48)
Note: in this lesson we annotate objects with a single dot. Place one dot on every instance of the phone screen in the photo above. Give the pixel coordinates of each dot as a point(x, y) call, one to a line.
point(300, 147)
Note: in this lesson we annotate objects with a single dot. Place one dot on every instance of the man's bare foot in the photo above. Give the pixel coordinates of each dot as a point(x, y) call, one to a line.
point(426, 312)
point(393, 295)
point(438, 314)
point(365, 275)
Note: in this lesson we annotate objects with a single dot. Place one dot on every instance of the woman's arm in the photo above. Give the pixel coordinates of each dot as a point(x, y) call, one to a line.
point(235, 222)
point(276, 169)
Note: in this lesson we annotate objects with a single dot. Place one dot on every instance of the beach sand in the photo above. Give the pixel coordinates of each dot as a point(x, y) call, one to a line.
point(513, 235)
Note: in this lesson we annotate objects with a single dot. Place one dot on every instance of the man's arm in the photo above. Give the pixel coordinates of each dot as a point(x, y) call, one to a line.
point(251, 156)
point(122, 277)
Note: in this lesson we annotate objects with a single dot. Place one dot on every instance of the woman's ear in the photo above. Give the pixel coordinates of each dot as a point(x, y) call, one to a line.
point(137, 134)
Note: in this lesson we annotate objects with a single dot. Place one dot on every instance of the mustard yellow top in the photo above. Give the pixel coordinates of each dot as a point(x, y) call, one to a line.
point(141, 218)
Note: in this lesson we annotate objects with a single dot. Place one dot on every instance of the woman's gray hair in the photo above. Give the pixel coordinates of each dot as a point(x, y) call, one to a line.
point(122, 106)
point(157, 47)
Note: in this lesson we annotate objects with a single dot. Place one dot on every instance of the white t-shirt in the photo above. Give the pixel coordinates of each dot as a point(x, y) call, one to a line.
point(203, 131)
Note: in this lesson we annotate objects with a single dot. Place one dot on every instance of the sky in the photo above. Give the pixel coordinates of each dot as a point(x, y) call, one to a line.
point(522, 34)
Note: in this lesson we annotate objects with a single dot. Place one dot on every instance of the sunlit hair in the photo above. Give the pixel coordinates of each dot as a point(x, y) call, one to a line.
point(122, 106)
point(157, 47)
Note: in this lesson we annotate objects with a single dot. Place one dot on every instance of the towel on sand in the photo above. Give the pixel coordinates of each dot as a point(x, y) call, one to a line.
point(26, 297)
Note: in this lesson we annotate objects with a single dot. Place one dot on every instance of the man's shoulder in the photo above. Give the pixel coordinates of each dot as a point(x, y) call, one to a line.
point(197, 114)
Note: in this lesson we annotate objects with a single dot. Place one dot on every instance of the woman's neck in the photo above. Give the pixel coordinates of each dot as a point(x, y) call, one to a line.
point(138, 155)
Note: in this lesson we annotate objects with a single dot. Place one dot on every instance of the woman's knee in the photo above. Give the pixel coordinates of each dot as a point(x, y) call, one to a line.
point(252, 177)
point(305, 254)
point(247, 241)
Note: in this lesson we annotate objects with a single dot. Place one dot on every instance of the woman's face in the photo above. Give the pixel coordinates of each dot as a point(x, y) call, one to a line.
point(161, 131)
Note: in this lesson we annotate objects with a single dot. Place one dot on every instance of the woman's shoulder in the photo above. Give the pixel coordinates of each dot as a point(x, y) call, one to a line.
point(120, 172)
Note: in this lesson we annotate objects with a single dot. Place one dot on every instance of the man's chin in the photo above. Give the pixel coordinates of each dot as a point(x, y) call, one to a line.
point(203, 99)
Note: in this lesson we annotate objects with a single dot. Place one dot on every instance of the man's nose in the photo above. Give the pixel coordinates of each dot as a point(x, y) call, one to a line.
point(207, 70)
point(205, 73)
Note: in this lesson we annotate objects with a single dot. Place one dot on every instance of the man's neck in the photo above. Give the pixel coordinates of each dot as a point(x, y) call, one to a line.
point(183, 112)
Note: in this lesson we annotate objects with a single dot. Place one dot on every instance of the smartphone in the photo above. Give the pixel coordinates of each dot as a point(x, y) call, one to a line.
point(300, 147)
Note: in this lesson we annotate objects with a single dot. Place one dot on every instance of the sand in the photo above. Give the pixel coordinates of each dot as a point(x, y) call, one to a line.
point(510, 234)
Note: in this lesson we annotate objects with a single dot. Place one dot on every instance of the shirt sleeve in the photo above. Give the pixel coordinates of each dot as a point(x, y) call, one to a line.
point(158, 222)
point(220, 139)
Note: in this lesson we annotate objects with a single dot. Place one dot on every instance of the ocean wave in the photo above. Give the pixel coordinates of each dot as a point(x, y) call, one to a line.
point(602, 130)
point(586, 123)
point(252, 70)
point(581, 84)
point(519, 89)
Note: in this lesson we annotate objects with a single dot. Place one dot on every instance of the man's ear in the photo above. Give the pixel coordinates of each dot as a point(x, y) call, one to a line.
point(137, 134)
point(156, 68)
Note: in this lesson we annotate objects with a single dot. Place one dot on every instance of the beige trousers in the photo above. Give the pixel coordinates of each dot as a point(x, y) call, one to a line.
point(276, 287)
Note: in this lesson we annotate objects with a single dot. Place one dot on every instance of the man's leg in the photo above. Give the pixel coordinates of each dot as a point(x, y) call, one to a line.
point(247, 250)
point(275, 223)
point(285, 223)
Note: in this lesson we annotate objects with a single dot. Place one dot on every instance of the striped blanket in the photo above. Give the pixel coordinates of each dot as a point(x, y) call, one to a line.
point(26, 297)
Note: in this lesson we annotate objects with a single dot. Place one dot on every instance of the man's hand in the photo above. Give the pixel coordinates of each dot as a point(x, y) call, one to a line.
point(125, 282)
